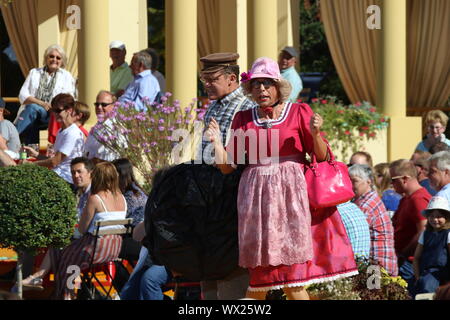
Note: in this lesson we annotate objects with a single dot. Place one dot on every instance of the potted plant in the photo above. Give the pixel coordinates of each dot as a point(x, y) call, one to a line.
point(347, 126)
point(37, 210)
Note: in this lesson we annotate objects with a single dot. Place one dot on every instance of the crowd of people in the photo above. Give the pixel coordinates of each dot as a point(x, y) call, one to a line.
point(399, 217)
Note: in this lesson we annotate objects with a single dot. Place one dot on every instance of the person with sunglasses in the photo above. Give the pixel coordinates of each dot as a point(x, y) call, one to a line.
point(69, 140)
point(281, 243)
point(408, 220)
point(38, 90)
point(93, 149)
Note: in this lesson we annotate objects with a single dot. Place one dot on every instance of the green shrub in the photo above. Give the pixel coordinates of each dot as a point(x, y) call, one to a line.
point(37, 208)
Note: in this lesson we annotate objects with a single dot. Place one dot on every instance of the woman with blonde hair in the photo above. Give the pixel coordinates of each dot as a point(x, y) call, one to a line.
point(40, 87)
point(105, 203)
point(383, 184)
point(436, 123)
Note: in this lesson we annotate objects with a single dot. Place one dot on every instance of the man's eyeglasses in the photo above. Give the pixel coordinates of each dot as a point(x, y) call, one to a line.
point(53, 56)
point(209, 80)
point(267, 83)
point(103, 104)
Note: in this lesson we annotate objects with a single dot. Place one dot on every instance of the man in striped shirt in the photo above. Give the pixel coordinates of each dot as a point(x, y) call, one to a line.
point(357, 228)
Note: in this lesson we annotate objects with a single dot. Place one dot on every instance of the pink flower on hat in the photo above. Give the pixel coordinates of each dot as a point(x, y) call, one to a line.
point(245, 77)
point(265, 68)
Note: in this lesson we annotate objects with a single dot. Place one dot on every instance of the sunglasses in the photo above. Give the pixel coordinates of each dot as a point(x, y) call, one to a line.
point(103, 104)
point(398, 177)
point(267, 83)
point(53, 56)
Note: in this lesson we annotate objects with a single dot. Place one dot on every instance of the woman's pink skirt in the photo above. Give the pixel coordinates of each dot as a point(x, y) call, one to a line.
point(280, 241)
point(332, 259)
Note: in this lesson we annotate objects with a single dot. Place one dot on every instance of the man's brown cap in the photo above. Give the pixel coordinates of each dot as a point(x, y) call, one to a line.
point(218, 61)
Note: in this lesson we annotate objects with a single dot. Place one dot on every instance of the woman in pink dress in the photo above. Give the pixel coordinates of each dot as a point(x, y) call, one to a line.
point(280, 243)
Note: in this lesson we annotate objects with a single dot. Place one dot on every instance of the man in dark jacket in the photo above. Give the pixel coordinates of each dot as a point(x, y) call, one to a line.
point(192, 213)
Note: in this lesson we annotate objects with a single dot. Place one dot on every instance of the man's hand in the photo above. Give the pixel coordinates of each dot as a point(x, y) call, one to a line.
point(213, 131)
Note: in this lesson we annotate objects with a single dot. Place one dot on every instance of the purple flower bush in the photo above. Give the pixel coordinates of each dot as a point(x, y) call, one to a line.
point(147, 138)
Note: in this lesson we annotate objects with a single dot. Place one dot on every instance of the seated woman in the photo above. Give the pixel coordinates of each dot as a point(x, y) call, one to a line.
point(136, 200)
point(105, 203)
point(39, 88)
point(135, 196)
point(390, 198)
point(70, 139)
point(436, 123)
point(380, 225)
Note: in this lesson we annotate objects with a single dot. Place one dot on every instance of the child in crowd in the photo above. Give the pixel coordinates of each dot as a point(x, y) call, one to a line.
point(436, 123)
point(431, 259)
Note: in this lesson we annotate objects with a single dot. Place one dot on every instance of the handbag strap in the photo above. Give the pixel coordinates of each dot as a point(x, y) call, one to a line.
point(331, 160)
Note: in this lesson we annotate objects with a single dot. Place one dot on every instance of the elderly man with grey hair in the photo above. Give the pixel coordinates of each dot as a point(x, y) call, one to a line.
point(145, 87)
point(439, 173)
point(380, 225)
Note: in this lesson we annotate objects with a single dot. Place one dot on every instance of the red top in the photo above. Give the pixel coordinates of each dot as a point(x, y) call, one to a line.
point(293, 134)
point(54, 126)
point(407, 216)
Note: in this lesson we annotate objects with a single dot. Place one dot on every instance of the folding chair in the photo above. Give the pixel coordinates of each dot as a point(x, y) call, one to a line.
point(89, 276)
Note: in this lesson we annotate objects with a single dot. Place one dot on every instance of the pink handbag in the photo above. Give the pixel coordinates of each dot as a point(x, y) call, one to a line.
point(328, 182)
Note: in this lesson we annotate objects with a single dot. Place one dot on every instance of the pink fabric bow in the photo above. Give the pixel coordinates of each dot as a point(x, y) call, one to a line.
point(246, 76)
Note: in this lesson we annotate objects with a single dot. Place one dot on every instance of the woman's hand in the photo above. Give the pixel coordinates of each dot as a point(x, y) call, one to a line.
point(315, 124)
point(31, 152)
point(213, 131)
point(46, 106)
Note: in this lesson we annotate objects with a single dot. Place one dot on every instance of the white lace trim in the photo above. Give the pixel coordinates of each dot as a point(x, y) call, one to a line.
point(305, 283)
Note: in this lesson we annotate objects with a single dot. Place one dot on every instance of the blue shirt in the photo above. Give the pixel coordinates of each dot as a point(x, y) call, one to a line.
point(144, 86)
point(426, 184)
point(444, 192)
point(291, 75)
point(391, 199)
point(357, 227)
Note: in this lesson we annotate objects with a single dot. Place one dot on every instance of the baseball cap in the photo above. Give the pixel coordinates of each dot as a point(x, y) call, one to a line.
point(116, 44)
point(291, 51)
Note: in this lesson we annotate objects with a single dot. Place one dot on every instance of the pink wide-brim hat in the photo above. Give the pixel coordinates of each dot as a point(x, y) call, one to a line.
point(265, 68)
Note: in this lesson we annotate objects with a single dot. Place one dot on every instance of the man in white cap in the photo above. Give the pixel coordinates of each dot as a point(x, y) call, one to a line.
point(287, 60)
point(120, 73)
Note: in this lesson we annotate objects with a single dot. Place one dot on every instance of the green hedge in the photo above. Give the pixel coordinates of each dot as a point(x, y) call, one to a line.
point(37, 208)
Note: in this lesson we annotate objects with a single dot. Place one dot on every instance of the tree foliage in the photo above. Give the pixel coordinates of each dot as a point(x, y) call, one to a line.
point(315, 54)
point(37, 208)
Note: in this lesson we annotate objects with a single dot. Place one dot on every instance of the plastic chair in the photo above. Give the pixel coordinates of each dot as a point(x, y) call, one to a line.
point(89, 279)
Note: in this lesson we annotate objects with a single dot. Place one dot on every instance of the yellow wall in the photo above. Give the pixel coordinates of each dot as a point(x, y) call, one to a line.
point(128, 23)
point(48, 25)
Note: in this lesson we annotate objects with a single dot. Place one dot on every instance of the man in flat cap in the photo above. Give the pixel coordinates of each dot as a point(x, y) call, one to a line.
point(220, 77)
point(287, 60)
point(120, 73)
